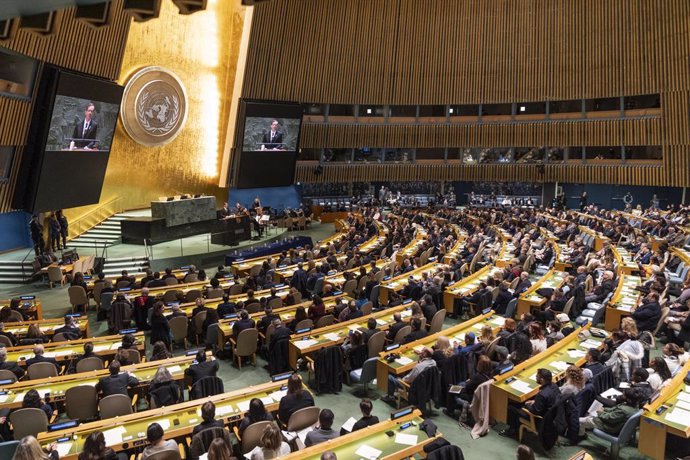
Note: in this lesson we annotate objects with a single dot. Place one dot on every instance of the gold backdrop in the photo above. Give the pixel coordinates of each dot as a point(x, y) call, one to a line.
point(202, 49)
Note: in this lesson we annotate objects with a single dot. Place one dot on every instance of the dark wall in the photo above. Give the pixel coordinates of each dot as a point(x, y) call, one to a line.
point(611, 196)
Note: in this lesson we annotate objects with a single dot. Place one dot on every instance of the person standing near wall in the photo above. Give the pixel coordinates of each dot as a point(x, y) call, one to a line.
point(36, 230)
point(62, 220)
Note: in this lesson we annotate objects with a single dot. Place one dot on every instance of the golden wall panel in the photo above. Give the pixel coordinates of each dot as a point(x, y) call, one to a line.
point(201, 49)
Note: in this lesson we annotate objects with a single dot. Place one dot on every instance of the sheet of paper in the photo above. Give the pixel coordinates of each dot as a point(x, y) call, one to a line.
point(407, 439)
point(115, 346)
point(19, 397)
point(332, 336)
point(63, 448)
point(611, 392)
point(683, 405)
point(114, 435)
point(267, 400)
point(367, 452)
point(243, 405)
point(381, 322)
point(302, 344)
point(590, 344)
point(225, 409)
point(500, 321)
point(684, 397)
point(175, 369)
point(3, 398)
point(347, 426)
point(533, 377)
point(522, 387)
point(405, 313)
point(164, 423)
point(418, 348)
point(560, 365)
point(98, 348)
point(576, 353)
point(203, 457)
point(278, 395)
point(679, 416)
point(404, 361)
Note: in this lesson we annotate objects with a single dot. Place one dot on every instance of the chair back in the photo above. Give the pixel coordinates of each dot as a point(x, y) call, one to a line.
point(201, 441)
point(190, 278)
point(235, 289)
point(366, 308)
point(77, 296)
point(628, 431)
point(28, 422)
point(252, 436)
point(5, 341)
point(253, 307)
point(165, 455)
point(8, 448)
point(362, 283)
point(375, 343)
point(114, 406)
point(298, 297)
point(214, 293)
point(96, 292)
point(178, 327)
point(7, 375)
point(211, 339)
point(305, 323)
point(437, 321)
point(375, 293)
point(192, 295)
point(510, 308)
point(199, 319)
point(55, 274)
point(122, 285)
point(171, 295)
point(275, 303)
point(324, 321)
point(106, 300)
point(208, 386)
point(171, 281)
point(246, 342)
point(664, 313)
point(81, 402)
point(402, 333)
point(350, 286)
point(368, 371)
point(303, 418)
point(41, 371)
point(269, 332)
point(134, 356)
point(60, 337)
point(568, 305)
point(93, 363)
point(15, 315)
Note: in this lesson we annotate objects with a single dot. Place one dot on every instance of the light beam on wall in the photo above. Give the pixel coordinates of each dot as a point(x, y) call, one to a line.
point(209, 58)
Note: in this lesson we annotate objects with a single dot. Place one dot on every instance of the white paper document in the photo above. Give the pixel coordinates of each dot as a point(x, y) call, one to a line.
point(164, 423)
point(3, 398)
point(349, 424)
point(407, 439)
point(684, 397)
point(500, 321)
point(380, 322)
point(560, 365)
point(522, 387)
point(576, 353)
point(334, 337)
point(683, 405)
point(175, 369)
point(114, 435)
point(368, 452)
point(611, 393)
point(225, 409)
point(679, 416)
point(243, 405)
point(302, 344)
point(63, 448)
point(404, 361)
point(267, 400)
point(278, 395)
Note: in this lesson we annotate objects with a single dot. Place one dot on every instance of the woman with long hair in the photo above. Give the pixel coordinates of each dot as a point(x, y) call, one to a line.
point(661, 375)
point(443, 349)
point(536, 337)
point(30, 449)
point(160, 329)
point(95, 449)
point(295, 399)
point(160, 352)
point(629, 326)
point(300, 314)
point(33, 400)
point(486, 335)
point(163, 389)
point(271, 444)
point(522, 348)
point(257, 413)
point(219, 450)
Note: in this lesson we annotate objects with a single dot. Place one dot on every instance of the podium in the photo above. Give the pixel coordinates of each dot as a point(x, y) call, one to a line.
point(231, 231)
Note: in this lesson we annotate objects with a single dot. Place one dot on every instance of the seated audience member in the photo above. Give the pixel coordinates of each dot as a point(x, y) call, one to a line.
point(593, 362)
point(11, 366)
point(157, 443)
point(95, 449)
point(243, 323)
point(365, 406)
point(33, 336)
point(470, 345)
point(176, 311)
point(349, 313)
point(70, 330)
point(566, 325)
point(544, 400)
point(257, 413)
point(39, 358)
point(574, 381)
point(464, 398)
point(123, 357)
point(522, 348)
point(129, 342)
point(442, 350)
point(267, 319)
point(163, 389)
point(417, 331)
point(503, 362)
point(317, 309)
point(226, 307)
point(395, 327)
point(160, 329)
point(208, 418)
point(647, 315)
point(202, 368)
point(160, 352)
point(323, 431)
point(34, 401)
point(300, 315)
point(219, 450)
point(328, 455)
point(370, 330)
point(271, 444)
point(116, 383)
point(211, 318)
point(88, 352)
point(425, 362)
point(296, 398)
point(661, 375)
point(612, 419)
point(29, 449)
point(9, 335)
point(536, 337)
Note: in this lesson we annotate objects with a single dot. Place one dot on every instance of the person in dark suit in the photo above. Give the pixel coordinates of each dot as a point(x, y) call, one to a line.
point(267, 319)
point(243, 323)
point(84, 134)
point(367, 419)
point(156, 281)
point(141, 307)
point(9, 335)
point(544, 400)
point(370, 330)
point(39, 358)
point(70, 330)
point(647, 315)
point(202, 368)
point(395, 327)
point(226, 307)
point(273, 139)
point(208, 416)
point(10, 365)
point(296, 398)
point(116, 383)
point(223, 213)
point(417, 331)
point(428, 308)
point(36, 230)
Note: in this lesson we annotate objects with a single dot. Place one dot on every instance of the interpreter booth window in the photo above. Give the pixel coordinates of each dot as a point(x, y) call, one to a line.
point(575, 154)
point(341, 113)
point(526, 155)
point(309, 155)
point(555, 154)
point(399, 155)
point(337, 155)
point(370, 111)
point(470, 156)
point(497, 109)
point(432, 114)
point(610, 104)
point(463, 110)
point(496, 155)
point(603, 153)
point(314, 113)
point(571, 106)
point(17, 74)
point(530, 108)
point(403, 111)
point(647, 101)
point(651, 153)
point(368, 155)
point(430, 155)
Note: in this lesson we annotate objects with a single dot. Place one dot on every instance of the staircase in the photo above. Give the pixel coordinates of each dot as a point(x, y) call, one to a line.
point(105, 234)
point(113, 266)
point(11, 271)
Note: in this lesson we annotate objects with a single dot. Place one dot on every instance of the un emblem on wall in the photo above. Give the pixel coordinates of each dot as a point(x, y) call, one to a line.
point(154, 106)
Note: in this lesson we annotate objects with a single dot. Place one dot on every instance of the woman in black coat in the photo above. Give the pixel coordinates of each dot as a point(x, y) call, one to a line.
point(160, 330)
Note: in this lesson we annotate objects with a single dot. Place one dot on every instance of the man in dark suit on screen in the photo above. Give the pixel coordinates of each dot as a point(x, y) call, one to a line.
point(84, 134)
point(273, 139)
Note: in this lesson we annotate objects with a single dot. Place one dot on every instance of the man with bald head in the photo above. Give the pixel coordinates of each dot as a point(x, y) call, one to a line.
point(39, 358)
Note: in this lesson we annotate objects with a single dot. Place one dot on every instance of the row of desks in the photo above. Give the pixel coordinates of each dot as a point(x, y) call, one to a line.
point(47, 326)
point(29, 304)
point(397, 283)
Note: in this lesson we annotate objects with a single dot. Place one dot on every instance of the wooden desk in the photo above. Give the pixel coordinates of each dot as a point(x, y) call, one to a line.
point(408, 351)
point(177, 420)
point(29, 304)
point(654, 427)
point(467, 286)
point(599, 239)
point(65, 268)
point(338, 279)
point(64, 351)
point(624, 259)
point(623, 302)
point(374, 436)
point(57, 386)
point(553, 279)
point(47, 326)
point(458, 247)
point(316, 339)
point(183, 287)
point(398, 283)
point(556, 358)
point(179, 274)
